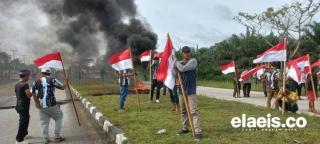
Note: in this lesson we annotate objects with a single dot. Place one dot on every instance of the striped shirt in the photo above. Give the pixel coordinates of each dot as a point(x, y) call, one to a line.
point(188, 71)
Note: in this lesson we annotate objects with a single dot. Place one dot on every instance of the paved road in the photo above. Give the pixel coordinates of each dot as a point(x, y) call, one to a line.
point(257, 98)
point(88, 133)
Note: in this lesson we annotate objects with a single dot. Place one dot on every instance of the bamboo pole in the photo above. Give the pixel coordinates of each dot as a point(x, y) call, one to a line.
point(186, 103)
point(312, 83)
point(236, 78)
point(135, 82)
point(68, 85)
point(284, 79)
point(150, 70)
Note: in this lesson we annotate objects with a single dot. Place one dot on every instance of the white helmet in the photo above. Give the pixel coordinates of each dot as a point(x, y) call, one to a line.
point(46, 70)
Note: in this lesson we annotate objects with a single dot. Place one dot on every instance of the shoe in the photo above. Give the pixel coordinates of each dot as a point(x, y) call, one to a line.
point(182, 132)
point(59, 138)
point(46, 141)
point(198, 137)
point(157, 101)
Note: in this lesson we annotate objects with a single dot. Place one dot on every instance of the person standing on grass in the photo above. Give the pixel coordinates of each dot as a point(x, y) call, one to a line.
point(246, 85)
point(273, 79)
point(155, 84)
point(45, 101)
point(188, 69)
point(124, 82)
point(23, 96)
point(236, 84)
point(310, 94)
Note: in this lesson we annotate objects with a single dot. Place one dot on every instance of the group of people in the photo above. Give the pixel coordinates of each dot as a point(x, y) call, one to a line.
point(271, 81)
point(188, 70)
point(42, 91)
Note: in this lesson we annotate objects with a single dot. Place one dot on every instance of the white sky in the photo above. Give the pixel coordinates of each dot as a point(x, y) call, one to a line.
point(202, 22)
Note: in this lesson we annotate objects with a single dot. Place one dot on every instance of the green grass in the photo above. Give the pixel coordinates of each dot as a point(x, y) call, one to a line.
point(215, 121)
point(227, 84)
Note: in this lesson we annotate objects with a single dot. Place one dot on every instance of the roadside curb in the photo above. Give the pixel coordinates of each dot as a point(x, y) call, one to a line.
point(118, 136)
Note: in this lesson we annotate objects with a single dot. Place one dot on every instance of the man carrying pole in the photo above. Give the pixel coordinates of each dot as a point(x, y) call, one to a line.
point(187, 68)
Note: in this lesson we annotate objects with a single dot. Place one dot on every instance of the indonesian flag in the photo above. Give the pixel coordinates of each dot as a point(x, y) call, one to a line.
point(316, 64)
point(166, 66)
point(295, 73)
point(145, 56)
point(228, 68)
point(302, 63)
point(52, 60)
point(248, 74)
point(276, 53)
point(121, 61)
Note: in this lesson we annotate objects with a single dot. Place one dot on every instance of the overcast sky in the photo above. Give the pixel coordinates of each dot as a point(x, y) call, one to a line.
point(202, 22)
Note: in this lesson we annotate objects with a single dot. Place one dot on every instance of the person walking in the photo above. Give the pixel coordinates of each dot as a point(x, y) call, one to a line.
point(22, 107)
point(246, 85)
point(188, 69)
point(44, 90)
point(155, 84)
point(236, 84)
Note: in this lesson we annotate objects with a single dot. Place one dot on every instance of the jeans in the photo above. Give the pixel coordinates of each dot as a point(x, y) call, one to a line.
point(123, 95)
point(174, 95)
point(24, 118)
point(46, 114)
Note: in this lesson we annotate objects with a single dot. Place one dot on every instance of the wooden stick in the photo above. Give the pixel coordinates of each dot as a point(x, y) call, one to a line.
point(150, 70)
point(312, 82)
point(135, 82)
point(74, 106)
point(284, 79)
point(186, 103)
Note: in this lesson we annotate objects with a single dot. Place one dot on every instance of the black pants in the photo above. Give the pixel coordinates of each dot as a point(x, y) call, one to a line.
point(155, 84)
point(24, 118)
point(299, 88)
point(246, 89)
point(174, 95)
point(235, 87)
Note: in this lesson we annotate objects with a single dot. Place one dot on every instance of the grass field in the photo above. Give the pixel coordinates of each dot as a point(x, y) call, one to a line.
point(215, 120)
point(227, 84)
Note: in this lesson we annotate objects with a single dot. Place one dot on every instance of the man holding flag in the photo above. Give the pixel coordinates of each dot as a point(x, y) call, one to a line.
point(188, 69)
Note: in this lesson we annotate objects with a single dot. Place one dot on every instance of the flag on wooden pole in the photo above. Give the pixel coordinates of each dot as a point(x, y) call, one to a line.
point(248, 74)
point(302, 63)
point(121, 61)
point(228, 68)
point(145, 56)
point(52, 60)
point(276, 53)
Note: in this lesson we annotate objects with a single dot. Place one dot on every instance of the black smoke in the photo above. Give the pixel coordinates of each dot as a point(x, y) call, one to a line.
point(116, 19)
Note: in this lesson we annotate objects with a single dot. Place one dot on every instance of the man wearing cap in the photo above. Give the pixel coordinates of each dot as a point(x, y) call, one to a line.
point(188, 69)
point(44, 89)
point(23, 95)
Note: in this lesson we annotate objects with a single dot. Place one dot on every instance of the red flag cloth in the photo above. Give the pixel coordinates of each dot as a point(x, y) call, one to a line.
point(121, 61)
point(316, 64)
point(158, 55)
point(228, 68)
point(145, 56)
point(302, 63)
point(251, 72)
point(52, 60)
point(295, 73)
point(276, 53)
point(166, 66)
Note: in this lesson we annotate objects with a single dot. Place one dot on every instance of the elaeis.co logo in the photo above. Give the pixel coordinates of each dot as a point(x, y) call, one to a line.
point(268, 123)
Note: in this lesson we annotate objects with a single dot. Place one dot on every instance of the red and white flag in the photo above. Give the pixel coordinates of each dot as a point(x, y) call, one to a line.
point(158, 55)
point(295, 73)
point(145, 56)
point(121, 61)
point(166, 66)
point(248, 74)
point(52, 60)
point(276, 53)
point(316, 64)
point(302, 63)
point(259, 73)
point(228, 68)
